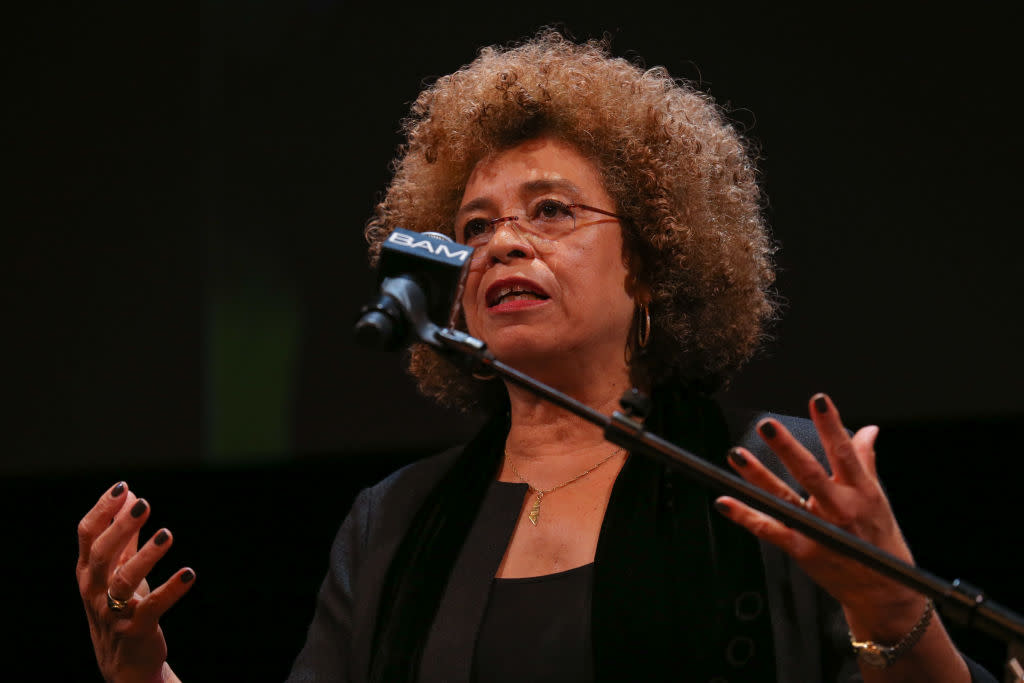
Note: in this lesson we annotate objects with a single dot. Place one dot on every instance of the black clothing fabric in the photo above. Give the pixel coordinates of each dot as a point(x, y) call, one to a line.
point(685, 565)
point(537, 629)
point(426, 557)
point(669, 570)
point(649, 622)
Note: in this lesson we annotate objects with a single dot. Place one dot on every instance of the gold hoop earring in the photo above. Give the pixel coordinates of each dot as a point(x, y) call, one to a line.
point(643, 328)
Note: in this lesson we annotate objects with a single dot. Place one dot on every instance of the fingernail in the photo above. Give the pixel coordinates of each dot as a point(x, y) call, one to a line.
point(117, 490)
point(161, 537)
point(138, 508)
point(820, 404)
point(768, 429)
point(187, 576)
point(722, 507)
point(737, 457)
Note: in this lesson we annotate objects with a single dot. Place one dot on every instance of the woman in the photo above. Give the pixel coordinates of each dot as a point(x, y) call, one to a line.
point(619, 243)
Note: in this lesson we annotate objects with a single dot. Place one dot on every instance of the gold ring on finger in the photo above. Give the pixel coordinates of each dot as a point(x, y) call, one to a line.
point(794, 498)
point(114, 604)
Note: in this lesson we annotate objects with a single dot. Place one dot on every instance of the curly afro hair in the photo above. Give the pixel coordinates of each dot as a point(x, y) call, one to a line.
point(694, 238)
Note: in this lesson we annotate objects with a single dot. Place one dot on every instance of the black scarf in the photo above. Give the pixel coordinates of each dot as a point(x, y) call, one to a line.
point(678, 589)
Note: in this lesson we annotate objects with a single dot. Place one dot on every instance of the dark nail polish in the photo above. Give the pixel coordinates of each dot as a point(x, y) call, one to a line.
point(117, 490)
point(820, 404)
point(161, 537)
point(187, 576)
point(722, 507)
point(138, 508)
point(738, 458)
point(768, 429)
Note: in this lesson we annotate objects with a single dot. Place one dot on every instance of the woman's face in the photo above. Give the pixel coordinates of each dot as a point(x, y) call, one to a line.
point(533, 299)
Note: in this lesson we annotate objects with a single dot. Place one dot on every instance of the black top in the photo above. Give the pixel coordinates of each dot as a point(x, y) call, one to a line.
point(537, 629)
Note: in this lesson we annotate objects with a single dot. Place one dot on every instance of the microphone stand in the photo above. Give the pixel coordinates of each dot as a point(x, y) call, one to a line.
point(958, 601)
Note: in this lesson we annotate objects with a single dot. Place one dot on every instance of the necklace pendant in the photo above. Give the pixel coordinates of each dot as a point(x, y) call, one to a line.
point(535, 510)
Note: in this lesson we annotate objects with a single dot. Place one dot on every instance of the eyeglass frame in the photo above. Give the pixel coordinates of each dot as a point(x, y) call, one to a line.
point(573, 205)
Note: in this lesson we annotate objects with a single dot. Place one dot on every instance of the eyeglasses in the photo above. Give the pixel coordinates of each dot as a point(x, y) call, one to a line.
point(548, 218)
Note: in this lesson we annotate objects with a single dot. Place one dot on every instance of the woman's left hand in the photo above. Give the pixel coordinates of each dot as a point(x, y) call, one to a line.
point(850, 498)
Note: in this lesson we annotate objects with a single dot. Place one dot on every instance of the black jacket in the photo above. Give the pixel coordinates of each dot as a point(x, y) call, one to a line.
point(809, 640)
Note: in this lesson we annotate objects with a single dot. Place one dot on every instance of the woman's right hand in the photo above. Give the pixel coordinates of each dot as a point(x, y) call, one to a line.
point(112, 571)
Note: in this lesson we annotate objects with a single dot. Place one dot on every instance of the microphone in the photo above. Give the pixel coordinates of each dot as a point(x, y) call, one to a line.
point(421, 279)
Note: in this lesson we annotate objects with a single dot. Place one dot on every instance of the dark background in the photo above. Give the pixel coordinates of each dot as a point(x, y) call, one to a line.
point(183, 259)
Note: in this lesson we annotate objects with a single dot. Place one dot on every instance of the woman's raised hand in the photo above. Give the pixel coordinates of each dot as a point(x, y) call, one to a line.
point(851, 497)
point(123, 612)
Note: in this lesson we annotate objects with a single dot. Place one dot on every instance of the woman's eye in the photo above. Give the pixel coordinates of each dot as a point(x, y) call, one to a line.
point(475, 227)
point(551, 210)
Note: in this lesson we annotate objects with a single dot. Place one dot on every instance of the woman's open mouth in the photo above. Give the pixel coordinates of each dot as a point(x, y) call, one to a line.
point(514, 294)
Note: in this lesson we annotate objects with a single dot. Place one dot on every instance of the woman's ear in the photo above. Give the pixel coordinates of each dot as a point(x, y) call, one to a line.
point(637, 289)
point(636, 285)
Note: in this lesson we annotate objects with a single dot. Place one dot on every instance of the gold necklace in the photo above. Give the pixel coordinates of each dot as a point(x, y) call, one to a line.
point(535, 510)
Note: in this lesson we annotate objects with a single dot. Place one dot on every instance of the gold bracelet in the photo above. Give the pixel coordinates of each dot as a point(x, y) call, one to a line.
point(882, 656)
